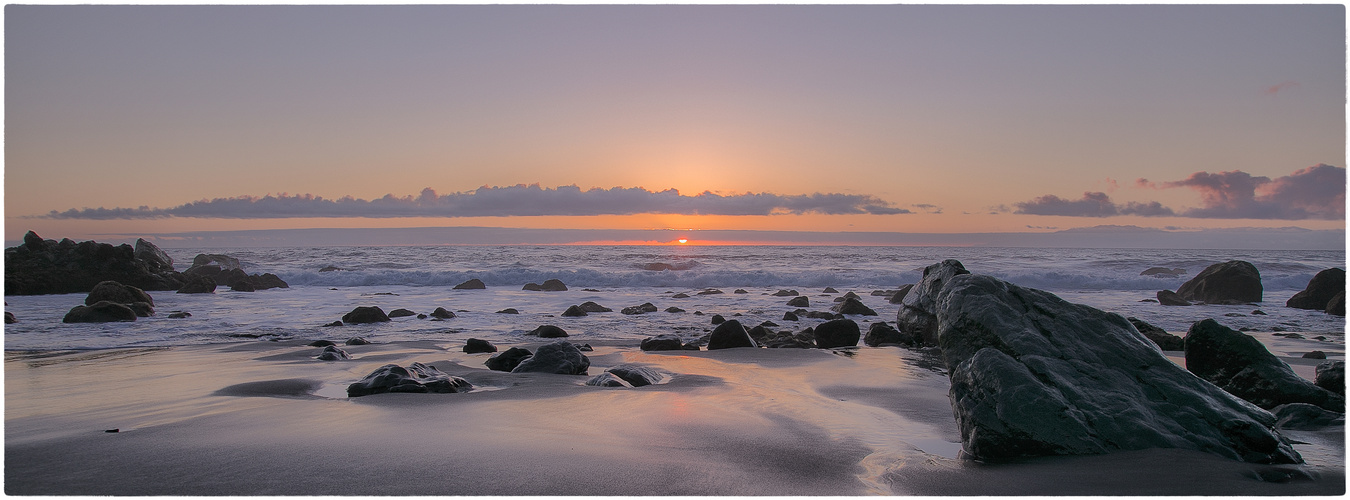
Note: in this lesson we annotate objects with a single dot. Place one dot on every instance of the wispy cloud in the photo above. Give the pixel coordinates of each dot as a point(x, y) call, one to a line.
point(1092, 204)
point(1280, 87)
point(518, 200)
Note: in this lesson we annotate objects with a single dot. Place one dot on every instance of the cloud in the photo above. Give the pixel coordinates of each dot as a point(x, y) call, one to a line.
point(518, 200)
point(1316, 192)
point(1093, 204)
point(1276, 89)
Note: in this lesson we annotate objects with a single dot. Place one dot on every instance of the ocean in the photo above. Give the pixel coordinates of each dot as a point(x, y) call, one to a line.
point(421, 278)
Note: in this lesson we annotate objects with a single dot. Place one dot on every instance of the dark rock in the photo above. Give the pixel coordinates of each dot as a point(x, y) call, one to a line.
point(442, 313)
point(198, 284)
point(548, 332)
point(768, 324)
point(1170, 298)
point(532, 287)
point(680, 295)
point(882, 293)
point(830, 290)
point(710, 291)
point(853, 305)
point(266, 281)
point(837, 333)
point(914, 317)
point(1315, 355)
point(663, 342)
point(417, 377)
point(740, 291)
point(1330, 375)
point(635, 375)
point(573, 312)
point(333, 353)
point(474, 346)
point(1259, 312)
point(399, 313)
point(553, 285)
point(366, 314)
point(644, 308)
point(730, 334)
point(1241, 365)
point(560, 357)
point(1303, 416)
point(509, 310)
point(900, 295)
point(789, 316)
point(820, 315)
point(1163, 272)
point(584, 347)
point(142, 309)
point(99, 312)
point(1320, 290)
point(155, 259)
point(759, 334)
point(179, 315)
point(1232, 282)
point(473, 284)
point(799, 301)
point(1033, 375)
point(243, 285)
point(41, 266)
point(320, 343)
point(673, 309)
point(882, 333)
point(607, 379)
point(1336, 306)
point(785, 293)
point(221, 261)
point(507, 360)
point(10, 319)
point(357, 341)
point(717, 319)
point(592, 307)
point(1164, 340)
point(335, 323)
point(329, 269)
point(113, 291)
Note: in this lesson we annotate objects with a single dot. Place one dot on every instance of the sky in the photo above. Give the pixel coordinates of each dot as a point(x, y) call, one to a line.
point(923, 119)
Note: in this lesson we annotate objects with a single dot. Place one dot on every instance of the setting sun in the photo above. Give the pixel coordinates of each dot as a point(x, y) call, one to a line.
point(684, 240)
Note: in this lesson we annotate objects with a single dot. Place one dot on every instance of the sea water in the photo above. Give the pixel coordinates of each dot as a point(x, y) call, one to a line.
point(421, 278)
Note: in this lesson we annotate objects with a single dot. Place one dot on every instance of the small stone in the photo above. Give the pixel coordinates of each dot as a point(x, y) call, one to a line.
point(509, 310)
point(442, 313)
point(357, 341)
point(399, 313)
point(474, 346)
point(473, 284)
point(574, 312)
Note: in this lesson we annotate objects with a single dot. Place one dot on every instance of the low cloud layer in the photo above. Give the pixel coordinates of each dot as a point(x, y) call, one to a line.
point(518, 200)
point(1316, 192)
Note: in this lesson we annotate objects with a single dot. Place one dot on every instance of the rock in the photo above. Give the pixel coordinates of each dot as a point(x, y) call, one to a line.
point(1232, 282)
point(1034, 375)
point(662, 342)
point(1330, 375)
point(592, 307)
point(680, 295)
point(1164, 340)
point(366, 314)
point(717, 319)
point(635, 375)
point(548, 332)
point(785, 293)
point(1170, 298)
point(266, 281)
point(1315, 355)
point(710, 291)
point(799, 301)
point(10, 319)
point(830, 290)
point(330, 268)
point(553, 285)
point(221, 261)
point(790, 316)
point(1303, 416)
point(644, 308)
point(1320, 290)
point(243, 285)
point(882, 333)
point(560, 357)
point(900, 295)
point(41, 266)
point(673, 309)
point(853, 305)
point(473, 284)
point(474, 346)
point(573, 312)
point(532, 287)
point(1336, 306)
point(1241, 365)
point(198, 284)
point(740, 291)
point(509, 310)
point(417, 377)
point(837, 333)
point(400, 313)
point(507, 360)
point(113, 291)
point(333, 353)
point(142, 309)
point(759, 334)
point(820, 315)
point(1163, 272)
point(442, 313)
point(155, 259)
point(100, 312)
point(335, 323)
point(730, 334)
point(357, 341)
point(320, 343)
point(607, 379)
point(1259, 312)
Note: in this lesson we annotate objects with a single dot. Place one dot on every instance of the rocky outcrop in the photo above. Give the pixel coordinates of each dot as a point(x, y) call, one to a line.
point(853, 305)
point(41, 266)
point(1032, 374)
point(1330, 375)
point(507, 360)
point(730, 334)
point(551, 285)
point(417, 377)
point(1241, 365)
point(1165, 341)
point(837, 333)
point(100, 312)
point(561, 357)
point(1232, 282)
point(365, 314)
point(474, 346)
point(1320, 290)
point(227, 271)
point(472, 284)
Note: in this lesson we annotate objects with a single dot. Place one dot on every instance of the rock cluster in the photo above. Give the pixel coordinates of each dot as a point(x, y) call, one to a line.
point(1241, 365)
point(1322, 292)
point(417, 377)
point(41, 266)
point(224, 270)
point(561, 357)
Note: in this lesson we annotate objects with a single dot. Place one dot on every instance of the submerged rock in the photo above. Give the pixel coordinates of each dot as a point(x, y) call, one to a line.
point(1032, 375)
point(1232, 282)
point(417, 377)
point(10, 319)
point(99, 312)
point(507, 360)
point(365, 314)
point(644, 308)
point(561, 357)
point(399, 313)
point(553, 285)
point(198, 284)
point(1170, 298)
point(785, 293)
point(730, 334)
point(357, 341)
point(1241, 365)
point(799, 301)
point(635, 375)
point(882, 333)
point(607, 379)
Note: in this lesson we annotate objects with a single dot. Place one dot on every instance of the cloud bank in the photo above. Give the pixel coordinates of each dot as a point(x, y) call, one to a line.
point(518, 200)
point(1316, 192)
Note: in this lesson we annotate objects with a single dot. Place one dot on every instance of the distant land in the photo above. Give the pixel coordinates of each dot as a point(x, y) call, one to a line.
point(1288, 238)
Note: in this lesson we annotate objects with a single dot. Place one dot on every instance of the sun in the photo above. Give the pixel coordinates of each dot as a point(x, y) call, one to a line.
point(683, 240)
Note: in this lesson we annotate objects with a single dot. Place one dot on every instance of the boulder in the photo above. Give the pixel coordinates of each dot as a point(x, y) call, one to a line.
point(417, 377)
point(561, 357)
point(357, 341)
point(548, 332)
point(592, 307)
point(335, 323)
point(442, 313)
point(680, 295)
point(243, 285)
point(1330, 375)
point(1303, 416)
point(320, 343)
point(607, 379)
point(218, 260)
point(532, 287)
point(473, 284)
point(1337, 305)
point(198, 284)
point(882, 333)
point(100, 312)
point(710, 291)
point(507, 360)
point(730, 334)
point(829, 289)
point(914, 317)
point(853, 305)
point(837, 333)
point(553, 285)
point(10, 319)
point(900, 294)
point(1315, 355)
point(799, 301)
point(1164, 340)
point(1033, 375)
point(474, 346)
point(673, 309)
point(820, 315)
point(1241, 365)
point(1320, 290)
point(142, 309)
point(1232, 282)
point(759, 334)
point(663, 342)
point(790, 316)
point(266, 281)
point(785, 293)
point(509, 310)
point(1170, 298)
point(644, 308)
point(41, 266)
point(740, 291)
point(333, 353)
point(400, 313)
point(113, 291)
point(365, 314)
point(717, 319)
point(635, 375)
point(573, 312)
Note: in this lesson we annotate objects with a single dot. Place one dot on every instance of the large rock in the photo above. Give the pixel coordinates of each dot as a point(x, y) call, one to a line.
point(553, 285)
point(474, 346)
point(1170, 298)
point(100, 312)
point(1330, 375)
point(799, 301)
point(1337, 305)
point(1320, 290)
point(548, 332)
point(1032, 374)
point(900, 294)
point(837, 333)
point(1303, 416)
point(662, 342)
point(417, 377)
point(507, 360)
point(41, 266)
point(365, 314)
point(113, 291)
point(561, 357)
point(1232, 282)
point(227, 271)
point(915, 316)
point(1241, 365)
point(635, 375)
point(882, 333)
point(646, 307)
point(574, 312)
point(730, 334)
point(1165, 341)
point(853, 305)
point(592, 307)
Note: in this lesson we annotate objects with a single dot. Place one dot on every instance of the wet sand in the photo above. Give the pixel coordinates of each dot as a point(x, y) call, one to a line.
point(266, 418)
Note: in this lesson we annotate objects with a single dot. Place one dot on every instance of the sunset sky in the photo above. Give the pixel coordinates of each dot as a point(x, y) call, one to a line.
point(145, 120)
